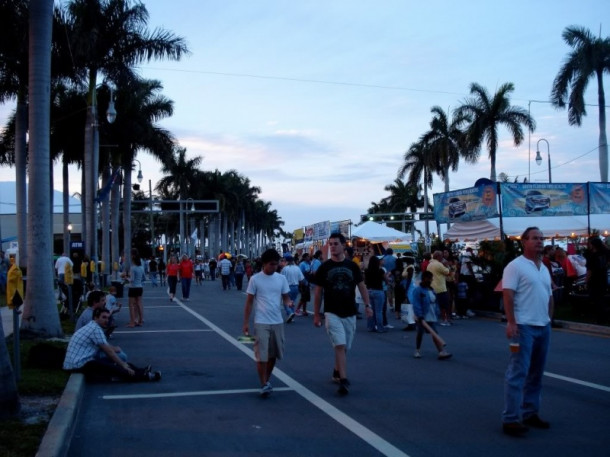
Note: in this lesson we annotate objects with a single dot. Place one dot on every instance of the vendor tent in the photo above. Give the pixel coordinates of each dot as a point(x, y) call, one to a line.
point(471, 231)
point(372, 231)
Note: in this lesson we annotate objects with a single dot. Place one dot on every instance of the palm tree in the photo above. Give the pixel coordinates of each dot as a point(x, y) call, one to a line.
point(40, 314)
point(140, 106)
point(14, 17)
point(589, 58)
point(109, 37)
point(418, 164)
point(182, 177)
point(446, 142)
point(486, 115)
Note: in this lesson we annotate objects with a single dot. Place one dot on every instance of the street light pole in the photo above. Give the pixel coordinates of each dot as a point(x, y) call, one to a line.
point(539, 157)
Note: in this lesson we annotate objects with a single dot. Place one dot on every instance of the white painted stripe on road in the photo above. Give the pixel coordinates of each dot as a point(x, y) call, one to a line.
point(353, 426)
point(577, 381)
point(191, 394)
point(134, 332)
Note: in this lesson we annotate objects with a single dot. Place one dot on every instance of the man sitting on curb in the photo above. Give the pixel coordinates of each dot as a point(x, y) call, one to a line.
point(83, 355)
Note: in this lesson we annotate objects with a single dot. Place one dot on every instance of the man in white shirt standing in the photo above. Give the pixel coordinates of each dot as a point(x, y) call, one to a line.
point(528, 303)
point(60, 266)
point(266, 290)
point(295, 277)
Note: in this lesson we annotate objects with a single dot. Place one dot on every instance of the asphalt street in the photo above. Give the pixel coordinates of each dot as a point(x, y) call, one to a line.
point(208, 402)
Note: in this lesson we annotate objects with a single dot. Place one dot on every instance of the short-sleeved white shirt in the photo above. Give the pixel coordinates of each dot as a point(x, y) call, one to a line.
point(532, 287)
point(267, 291)
point(293, 274)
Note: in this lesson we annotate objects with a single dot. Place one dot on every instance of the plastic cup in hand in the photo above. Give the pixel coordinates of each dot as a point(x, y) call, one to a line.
point(514, 344)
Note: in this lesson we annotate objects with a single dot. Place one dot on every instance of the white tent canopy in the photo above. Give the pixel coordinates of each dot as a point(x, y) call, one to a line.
point(372, 231)
point(513, 226)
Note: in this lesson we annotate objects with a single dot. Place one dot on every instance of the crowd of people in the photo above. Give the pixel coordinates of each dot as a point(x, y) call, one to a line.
point(345, 288)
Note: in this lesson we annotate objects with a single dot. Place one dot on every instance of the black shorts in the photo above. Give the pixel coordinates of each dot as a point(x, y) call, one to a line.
point(305, 293)
point(135, 292)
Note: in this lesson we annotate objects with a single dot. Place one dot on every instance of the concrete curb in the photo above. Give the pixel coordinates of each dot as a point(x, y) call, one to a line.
point(600, 330)
point(56, 440)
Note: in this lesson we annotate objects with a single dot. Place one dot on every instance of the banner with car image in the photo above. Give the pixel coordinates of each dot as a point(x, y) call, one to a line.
point(525, 199)
point(471, 204)
point(599, 197)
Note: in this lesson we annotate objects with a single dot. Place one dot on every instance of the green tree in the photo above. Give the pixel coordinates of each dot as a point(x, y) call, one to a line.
point(182, 176)
point(40, 314)
point(446, 143)
point(589, 58)
point(109, 37)
point(486, 115)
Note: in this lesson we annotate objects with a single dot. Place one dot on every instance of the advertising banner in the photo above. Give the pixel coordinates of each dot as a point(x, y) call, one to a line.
point(321, 230)
point(298, 235)
point(525, 199)
point(472, 204)
point(341, 227)
point(309, 233)
point(599, 197)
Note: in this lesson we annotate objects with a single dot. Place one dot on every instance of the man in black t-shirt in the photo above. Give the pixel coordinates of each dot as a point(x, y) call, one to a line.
point(338, 277)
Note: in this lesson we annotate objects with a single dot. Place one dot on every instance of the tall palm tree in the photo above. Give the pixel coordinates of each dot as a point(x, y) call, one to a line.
point(182, 177)
point(590, 58)
point(109, 37)
point(487, 114)
point(14, 17)
point(446, 143)
point(141, 106)
point(40, 314)
point(418, 164)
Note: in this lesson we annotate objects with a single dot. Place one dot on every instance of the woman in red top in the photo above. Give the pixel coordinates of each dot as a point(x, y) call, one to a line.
point(186, 276)
point(171, 271)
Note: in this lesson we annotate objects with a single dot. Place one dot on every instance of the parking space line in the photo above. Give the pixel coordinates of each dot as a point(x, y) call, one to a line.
point(191, 394)
point(135, 332)
point(577, 381)
point(339, 416)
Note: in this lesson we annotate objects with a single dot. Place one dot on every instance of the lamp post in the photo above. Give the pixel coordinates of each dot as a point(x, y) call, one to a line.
point(539, 157)
point(91, 171)
point(188, 227)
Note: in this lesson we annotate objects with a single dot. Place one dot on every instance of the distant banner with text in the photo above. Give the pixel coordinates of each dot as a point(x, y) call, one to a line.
point(562, 199)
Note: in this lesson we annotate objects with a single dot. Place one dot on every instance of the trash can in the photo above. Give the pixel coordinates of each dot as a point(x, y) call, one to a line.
point(119, 288)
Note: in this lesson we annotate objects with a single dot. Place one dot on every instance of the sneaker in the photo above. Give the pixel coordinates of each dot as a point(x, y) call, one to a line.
point(514, 428)
point(298, 312)
point(388, 326)
point(156, 376)
point(290, 318)
point(417, 354)
point(305, 314)
point(344, 386)
point(336, 378)
point(469, 313)
point(147, 370)
point(266, 390)
point(535, 421)
point(444, 355)
point(444, 324)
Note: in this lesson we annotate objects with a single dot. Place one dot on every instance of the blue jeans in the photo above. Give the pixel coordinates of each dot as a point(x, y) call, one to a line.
point(186, 287)
point(377, 299)
point(523, 379)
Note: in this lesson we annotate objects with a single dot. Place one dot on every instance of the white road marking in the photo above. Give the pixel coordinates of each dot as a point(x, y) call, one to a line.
point(577, 381)
point(134, 332)
point(350, 424)
point(191, 394)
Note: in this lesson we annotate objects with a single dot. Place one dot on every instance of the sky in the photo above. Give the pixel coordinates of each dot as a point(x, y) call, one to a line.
point(317, 101)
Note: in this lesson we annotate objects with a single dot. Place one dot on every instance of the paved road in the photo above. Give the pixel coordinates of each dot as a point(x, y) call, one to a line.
point(208, 404)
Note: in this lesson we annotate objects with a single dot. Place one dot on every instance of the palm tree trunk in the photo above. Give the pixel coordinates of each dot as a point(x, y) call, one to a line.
point(66, 203)
point(107, 175)
point(115, 224)
point(40, 311)
point(603, 141)
point(9, 397)
point(127, 218)
point(20, 178)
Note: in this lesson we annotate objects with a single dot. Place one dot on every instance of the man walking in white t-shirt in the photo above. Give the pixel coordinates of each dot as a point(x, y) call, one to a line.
point(265, 291)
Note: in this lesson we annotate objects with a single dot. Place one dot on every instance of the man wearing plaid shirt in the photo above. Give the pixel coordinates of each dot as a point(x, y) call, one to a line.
point(89, 353)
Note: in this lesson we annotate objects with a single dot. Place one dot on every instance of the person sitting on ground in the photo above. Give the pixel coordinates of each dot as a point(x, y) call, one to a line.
point(113, 306)
point(95, 299)
point(85, 349)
